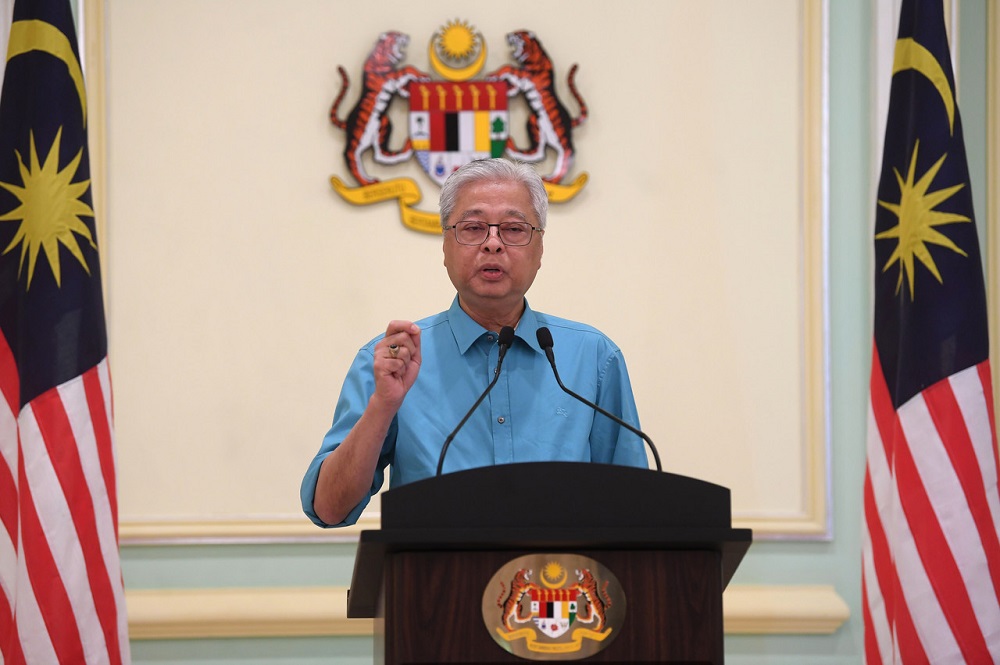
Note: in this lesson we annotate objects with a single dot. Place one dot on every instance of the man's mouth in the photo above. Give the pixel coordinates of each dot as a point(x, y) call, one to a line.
point(491, 272)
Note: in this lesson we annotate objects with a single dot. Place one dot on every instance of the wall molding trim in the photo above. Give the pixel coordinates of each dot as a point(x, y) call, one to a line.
point(162, 614)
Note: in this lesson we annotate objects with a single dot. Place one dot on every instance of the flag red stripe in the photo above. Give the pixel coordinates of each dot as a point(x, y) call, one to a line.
point(881, 557)
point(884, 416)
point(10, 387)
point(8, 483)
point(46, 583)
point(891, 435)
point(10, 644)
point(937, 557)
point(10, 384)
point(882, 409)
point(897, 611)
point(58, 436)
point(102, 432)
point(986, 378)
point(872, 654)
point(873, 587)
point(8, 501)
point(949, 421)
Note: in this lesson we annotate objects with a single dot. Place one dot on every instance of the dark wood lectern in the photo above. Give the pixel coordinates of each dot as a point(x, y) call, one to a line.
point(667, 538)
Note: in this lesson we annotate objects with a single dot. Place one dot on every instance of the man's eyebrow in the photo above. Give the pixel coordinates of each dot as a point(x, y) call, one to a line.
point(477, 212)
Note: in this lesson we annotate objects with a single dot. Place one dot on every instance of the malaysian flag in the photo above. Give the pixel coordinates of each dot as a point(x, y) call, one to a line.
point(931, 555)
point(61, 591)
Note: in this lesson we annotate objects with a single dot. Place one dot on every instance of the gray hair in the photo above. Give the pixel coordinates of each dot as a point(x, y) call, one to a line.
point(494, 169)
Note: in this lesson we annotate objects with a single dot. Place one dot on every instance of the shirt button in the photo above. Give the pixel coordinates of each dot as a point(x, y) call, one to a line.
point(500, 420)
point(489, 337)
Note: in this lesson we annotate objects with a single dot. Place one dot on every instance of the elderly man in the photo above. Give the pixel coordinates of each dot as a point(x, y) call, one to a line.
point(408, 389)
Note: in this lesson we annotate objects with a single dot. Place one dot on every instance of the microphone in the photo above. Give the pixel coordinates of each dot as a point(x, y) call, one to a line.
point(545, 341)
point(505, 339)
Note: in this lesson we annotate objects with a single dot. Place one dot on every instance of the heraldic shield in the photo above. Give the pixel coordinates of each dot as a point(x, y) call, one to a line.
point(453, 123)
point(553, 607)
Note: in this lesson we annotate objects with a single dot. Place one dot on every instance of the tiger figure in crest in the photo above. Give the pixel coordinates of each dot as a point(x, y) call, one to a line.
point(367, 125)
point(550, 124)
point(597, 602)
point(520, 587)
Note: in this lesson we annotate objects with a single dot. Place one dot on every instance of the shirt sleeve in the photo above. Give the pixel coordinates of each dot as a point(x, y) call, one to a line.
point(359, 386)
point(611, 443)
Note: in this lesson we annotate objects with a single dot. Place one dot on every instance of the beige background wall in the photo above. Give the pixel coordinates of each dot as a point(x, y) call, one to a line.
point(240, 285)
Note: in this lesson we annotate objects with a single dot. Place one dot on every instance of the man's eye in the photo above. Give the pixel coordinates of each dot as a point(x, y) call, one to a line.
point(473, 227)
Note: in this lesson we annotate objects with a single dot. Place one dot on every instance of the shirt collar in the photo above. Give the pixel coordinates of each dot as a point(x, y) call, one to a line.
point(467, 331)
point(527, 326)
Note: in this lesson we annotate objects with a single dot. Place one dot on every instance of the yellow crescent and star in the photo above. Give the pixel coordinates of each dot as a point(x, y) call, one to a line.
point(915, 210)
point(50, 206)
point(553, 575)
point(459, 43)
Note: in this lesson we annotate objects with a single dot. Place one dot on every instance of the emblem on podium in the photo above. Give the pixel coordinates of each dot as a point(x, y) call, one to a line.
point(553, 607)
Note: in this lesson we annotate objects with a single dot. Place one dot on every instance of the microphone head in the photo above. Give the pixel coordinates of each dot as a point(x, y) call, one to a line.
point(506, 336)
point(544, 338)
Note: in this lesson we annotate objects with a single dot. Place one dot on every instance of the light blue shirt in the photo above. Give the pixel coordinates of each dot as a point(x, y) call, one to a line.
point(525, 418)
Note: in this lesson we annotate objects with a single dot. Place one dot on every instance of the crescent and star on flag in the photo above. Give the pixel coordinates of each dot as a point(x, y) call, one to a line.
point(915, 210)
point(50, 204)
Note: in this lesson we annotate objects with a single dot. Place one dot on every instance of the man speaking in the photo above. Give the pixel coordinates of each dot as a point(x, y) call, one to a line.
point(410, 389)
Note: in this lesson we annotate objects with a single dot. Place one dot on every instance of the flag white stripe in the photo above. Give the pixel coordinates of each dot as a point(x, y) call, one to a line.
point(928, 618)
point(969, 392)
point(882, 631)
point(104, 375)
point(36, 645)
point(80, 421)
point(114, 566)
point(8, 458)
point(951, 509)
point(56, 519)
point(8, 439)
point(878, 468)
point(921, 602)
point(883, 498)
point(881, 481)
point(968, 388)
point(944, 488)
point(877, 471)
point(8, 569)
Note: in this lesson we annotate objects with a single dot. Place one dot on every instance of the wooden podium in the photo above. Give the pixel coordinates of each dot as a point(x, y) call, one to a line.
point(668, 540)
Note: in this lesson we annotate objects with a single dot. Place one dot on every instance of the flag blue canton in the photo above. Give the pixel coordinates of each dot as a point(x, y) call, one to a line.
point(55, 331)
point(936, 328)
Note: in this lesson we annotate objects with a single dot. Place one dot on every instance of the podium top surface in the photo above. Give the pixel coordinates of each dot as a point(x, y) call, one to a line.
point(548, 505)
point(555, 495)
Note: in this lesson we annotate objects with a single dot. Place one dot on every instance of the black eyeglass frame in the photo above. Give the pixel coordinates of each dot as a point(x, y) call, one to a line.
point(532, 230)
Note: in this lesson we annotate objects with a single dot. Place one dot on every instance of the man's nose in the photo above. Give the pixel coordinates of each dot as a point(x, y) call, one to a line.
point(493, 243)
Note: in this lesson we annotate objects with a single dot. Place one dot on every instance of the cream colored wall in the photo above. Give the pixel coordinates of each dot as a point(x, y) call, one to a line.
point(240, 286)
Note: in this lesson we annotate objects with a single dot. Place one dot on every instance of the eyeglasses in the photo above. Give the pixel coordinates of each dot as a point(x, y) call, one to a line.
point(513, 234)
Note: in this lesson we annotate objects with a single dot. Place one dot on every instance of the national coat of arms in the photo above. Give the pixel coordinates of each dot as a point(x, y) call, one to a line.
point(453, 118)
point(553, 607)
